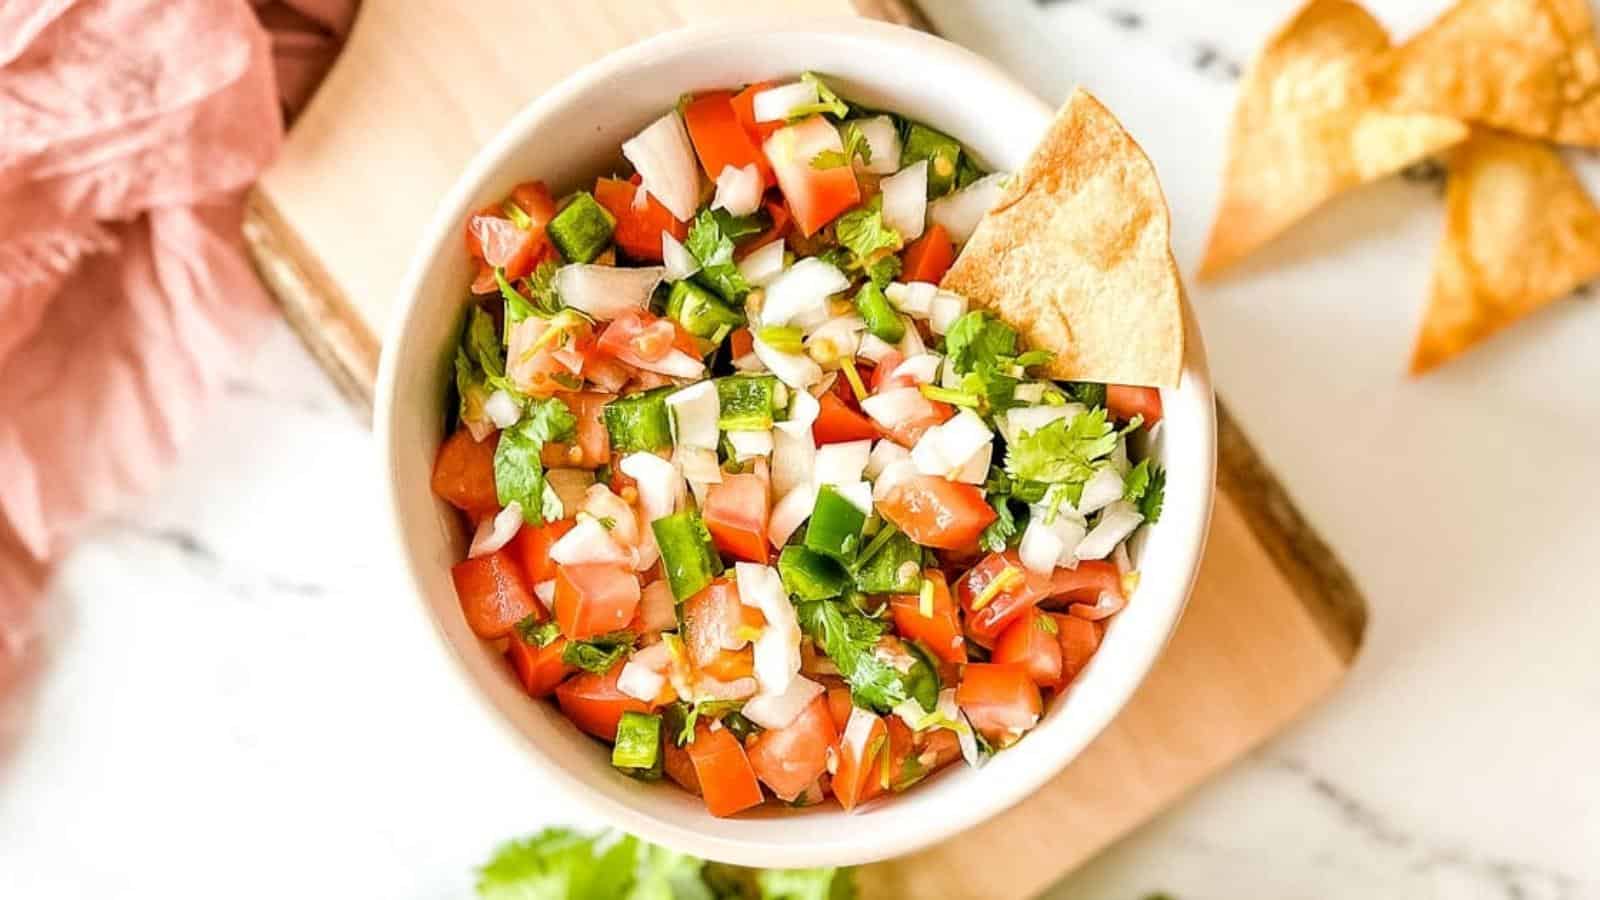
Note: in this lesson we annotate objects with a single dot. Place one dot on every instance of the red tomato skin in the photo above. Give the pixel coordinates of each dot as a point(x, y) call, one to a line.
point(594, 704)
point(744, 109)
point(839, 704)
point(1126, 401)
point(985, 625)
point(940, 633)
point(859, 778)
point(736, 513)
point(638, 232)
point(928, 257)
point(1079, 640)
point(594, 442)
point(679, 765)
point(1000, 701)
point(789, 760)
point(540, 669)
point(531, 547)
point(463, 473)
point(837, 423)
point(1082, 588)
point(938, 513)
point(494, 594)
point(1026, 643)
point(727, 782)
point(712, 620)
point(815, 196)
point(908, 431)
point(594, 598)
point(718, 137)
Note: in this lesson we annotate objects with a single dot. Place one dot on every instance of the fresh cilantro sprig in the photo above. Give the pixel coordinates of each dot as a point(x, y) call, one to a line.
point(979, 338)
point(827, 103)
point(864, 233)
point(712, 247)
point(518, 472)
point(1065, 452)
point(851, 640)
point(1146, 488)
point(855, 145)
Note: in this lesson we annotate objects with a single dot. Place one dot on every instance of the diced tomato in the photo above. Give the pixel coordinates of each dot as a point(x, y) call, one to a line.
point(736, 513)
point(493, 592)
point(912, 427)
point(1032, 642)
point(1094, 589)
point(816, 196)
point(837, 423)
point(715, 621)
point(658, 611)
point(788, 760)
point(941, 632)
point(741, 342)
point(542, 356)
point(594, 442)
point(1000, 701)
point(1024, 589)
point(679, 766)
point(859, 774)
point(937, 513)
point(839, 706)
point(914, 756)
point(594, 598)
point(1079, 639)
point(727, 781)
point(463, 473)
point(493, 238)
point(744, 109)
point(718, 137)
point(531, 547)
point(638, 334)
point(638, 231)
point(883, 376)
point(540, 669)
point(778, 213)
point(1126, 401)
point(928, 257)
point(594, 704)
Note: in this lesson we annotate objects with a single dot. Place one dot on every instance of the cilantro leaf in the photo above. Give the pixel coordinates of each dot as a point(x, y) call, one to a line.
point(600, 653)
point(682, 716)
point(883, 270)
point(713, 248)
point(518, 473)
point(851, 639)
point(996, 391)
point(855, 144)
point(518, 307)
point(1063, 452)
point(1086, 392)
point(736, 227)
point(827, 101)
point(1005, 530)
point(979, 337)
point(537, 634)
point(1146, 488)
point(542, 288)
point(482, 341)
point(549, 421)
point(473, 393)
point(863, 232)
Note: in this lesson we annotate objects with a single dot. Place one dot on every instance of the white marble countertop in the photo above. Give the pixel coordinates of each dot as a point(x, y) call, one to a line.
point(237, 701)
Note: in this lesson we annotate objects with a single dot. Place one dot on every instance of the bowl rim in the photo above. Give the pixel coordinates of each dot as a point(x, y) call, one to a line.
point(865, 845)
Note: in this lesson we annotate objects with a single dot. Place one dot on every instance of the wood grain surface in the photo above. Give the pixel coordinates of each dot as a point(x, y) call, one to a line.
point(1274, 621)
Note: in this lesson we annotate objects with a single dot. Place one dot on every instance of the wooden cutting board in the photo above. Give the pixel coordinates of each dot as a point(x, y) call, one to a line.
point(1274, 622)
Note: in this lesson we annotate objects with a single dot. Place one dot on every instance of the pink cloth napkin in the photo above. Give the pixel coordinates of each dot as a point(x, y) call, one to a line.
point(129, 131)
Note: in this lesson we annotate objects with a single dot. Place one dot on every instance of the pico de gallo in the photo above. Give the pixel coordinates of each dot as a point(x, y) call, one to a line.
point(754, 500)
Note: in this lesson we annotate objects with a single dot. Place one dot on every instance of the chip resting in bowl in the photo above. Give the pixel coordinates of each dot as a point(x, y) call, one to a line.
point(1076, 255)
point(1307, 129)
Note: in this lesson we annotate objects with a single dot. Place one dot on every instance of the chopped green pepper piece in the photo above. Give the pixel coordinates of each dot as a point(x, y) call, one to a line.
point(835, 526)
point(638, 748)
point(941, 151)
point(687, 555)
point(749, 402)
point(582, 228)
point(895, 567)
point(967, 172)
point(701, 312)
point(810, 576)
point(640, 422)
point(881, 317)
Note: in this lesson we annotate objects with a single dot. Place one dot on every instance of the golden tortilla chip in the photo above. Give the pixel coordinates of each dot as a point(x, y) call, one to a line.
point(1306, 129)
point(1527, 66)
point(1076, 255)
point(1520, 233)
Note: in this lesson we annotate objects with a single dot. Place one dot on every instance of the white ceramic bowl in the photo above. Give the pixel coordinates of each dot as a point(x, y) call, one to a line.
point(568, 136)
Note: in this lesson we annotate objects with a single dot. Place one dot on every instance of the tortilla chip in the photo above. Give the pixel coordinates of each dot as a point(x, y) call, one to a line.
point(1526, 66)
point(1520, 233)
point(1306, 129)
point(1076, 255)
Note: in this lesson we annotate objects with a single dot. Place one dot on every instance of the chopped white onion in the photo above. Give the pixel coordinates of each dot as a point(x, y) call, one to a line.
point(749, 363)
point(750, 444)
point(884, 141)
point(911, 344)
point(842, 463)
point(1119, 457)
point(892, 474)
point(697, 464)
point(897, 405)
point(796, 370)
point(694, 415)
point(570, 486)
point(779, 711)
point(884, 453)
point(804, 409)
point(905, 200)
point(921, 369)
point(874, 349)
point(794, 453)
point(945, 310)
point(788, 513)
point(946, 450)
point(657, 612)
point(914, 298)
point(763, 264)
point(774, 104)
point(801, 291)
point(660, 486)
point(1040, 548)
point(675, 364)
point(965, 735)
point(640, 682)
point(1102, 489)
point(589, 542)
point(1014, 423)
point(959, 212)
point(976, 469)
point(545, 591)
point(738, 190)
point(777, 650)
point(606, 292)
point(1117, 522)
point(494, 533)
point(667, 167)
point(502, 409)
point(601, 503)
point(1031, 392)
point(836, 339)
point(949, 376)
point(679, 262)
point(859, 493)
